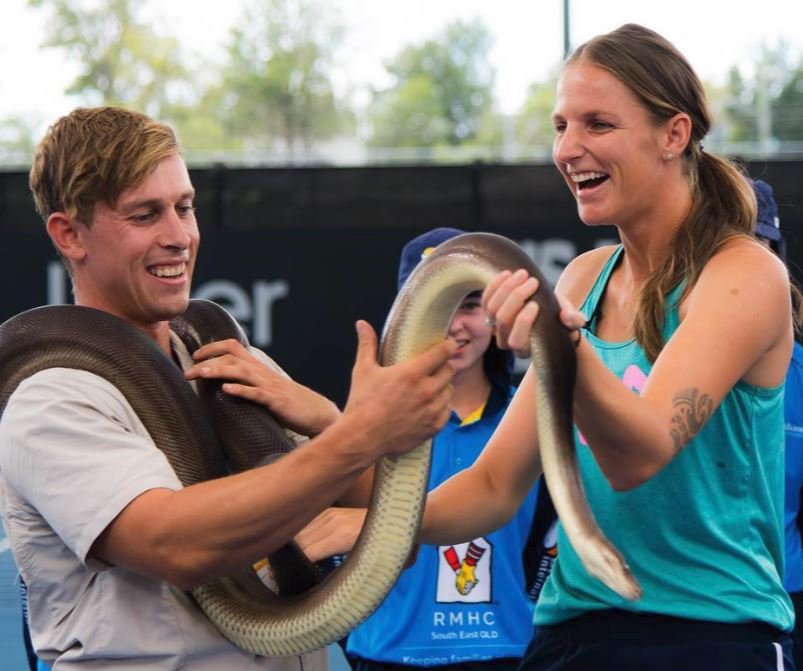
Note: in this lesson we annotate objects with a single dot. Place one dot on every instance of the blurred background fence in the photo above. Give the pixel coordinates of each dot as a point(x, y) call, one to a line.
point(298, 254)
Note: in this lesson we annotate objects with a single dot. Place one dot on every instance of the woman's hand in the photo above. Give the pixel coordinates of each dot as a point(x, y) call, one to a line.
point(332, 532)
point(507, 303)
point(295, 406)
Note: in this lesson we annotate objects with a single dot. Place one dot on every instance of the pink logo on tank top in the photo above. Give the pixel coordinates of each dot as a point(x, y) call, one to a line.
point(635, 379)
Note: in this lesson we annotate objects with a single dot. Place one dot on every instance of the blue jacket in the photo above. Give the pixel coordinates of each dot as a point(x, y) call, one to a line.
point(793, 416)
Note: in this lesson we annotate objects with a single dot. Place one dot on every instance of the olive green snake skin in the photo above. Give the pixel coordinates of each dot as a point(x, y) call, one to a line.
point(246, 612)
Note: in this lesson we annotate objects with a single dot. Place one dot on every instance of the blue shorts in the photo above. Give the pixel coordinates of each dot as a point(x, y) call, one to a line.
point(614, 640)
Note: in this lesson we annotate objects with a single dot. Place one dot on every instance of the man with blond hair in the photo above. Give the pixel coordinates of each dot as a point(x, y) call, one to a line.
point(106, 538)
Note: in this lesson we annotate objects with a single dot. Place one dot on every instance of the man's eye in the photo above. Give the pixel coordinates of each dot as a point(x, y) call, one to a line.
point(142, 218)
point(185, 210)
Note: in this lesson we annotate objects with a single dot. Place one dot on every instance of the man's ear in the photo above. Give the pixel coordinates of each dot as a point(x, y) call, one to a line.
point(67, 235)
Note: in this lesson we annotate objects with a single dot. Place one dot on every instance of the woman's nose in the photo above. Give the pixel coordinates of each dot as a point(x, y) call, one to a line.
point(568, 146)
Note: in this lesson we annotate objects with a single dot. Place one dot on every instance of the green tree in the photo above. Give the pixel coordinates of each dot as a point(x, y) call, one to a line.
point(16, 141)
point(739, 109)
point(277, 80)
point(534, 129)
point(201, 126)
point(123, 62)
point(768, 104)
point(443, 91)
point(787, 108)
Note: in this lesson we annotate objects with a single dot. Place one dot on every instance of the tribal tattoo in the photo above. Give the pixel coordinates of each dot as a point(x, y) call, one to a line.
point(692, 410)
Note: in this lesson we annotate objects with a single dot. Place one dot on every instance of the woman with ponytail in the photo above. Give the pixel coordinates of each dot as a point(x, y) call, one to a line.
point(678, 400)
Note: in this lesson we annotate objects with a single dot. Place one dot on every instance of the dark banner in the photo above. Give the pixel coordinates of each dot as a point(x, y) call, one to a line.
point(298, 254)
point(297, 292)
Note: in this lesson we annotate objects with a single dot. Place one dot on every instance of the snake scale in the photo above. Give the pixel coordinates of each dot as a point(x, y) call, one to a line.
point(314, 613)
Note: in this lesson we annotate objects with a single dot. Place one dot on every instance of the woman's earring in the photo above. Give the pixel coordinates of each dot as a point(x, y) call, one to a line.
point(668, 156)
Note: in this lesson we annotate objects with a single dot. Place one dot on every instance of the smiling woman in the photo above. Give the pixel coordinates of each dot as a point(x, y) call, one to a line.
point(676, 471)
point(612, 152)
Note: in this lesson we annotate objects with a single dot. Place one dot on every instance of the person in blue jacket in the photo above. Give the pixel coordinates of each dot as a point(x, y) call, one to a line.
point(464, 606)
point(768, 230)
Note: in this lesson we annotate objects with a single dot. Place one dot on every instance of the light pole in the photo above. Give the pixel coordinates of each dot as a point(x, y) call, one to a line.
point(567, 40)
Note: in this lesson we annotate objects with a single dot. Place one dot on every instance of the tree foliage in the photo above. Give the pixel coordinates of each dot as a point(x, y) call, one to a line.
point(787, 108)
point(123, 61)
point(443, 90)
point(275, 88)
point(16, 140)
point(767, 105)
point(534, 127)
point(277, 81)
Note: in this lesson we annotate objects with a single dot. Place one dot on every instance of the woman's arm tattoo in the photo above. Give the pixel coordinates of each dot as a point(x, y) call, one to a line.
point(692, 410)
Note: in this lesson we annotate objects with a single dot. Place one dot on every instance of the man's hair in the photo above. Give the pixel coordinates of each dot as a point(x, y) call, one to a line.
point(94, 154)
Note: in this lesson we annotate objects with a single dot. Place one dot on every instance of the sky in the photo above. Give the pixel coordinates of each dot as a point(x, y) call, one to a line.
point(528, 38)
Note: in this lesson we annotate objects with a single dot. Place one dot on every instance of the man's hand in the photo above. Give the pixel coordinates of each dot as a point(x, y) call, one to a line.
point(295, 406)
point(400, 406)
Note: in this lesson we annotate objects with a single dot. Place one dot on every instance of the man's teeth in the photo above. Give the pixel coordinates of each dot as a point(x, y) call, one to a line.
point(579, 177)
point(169, 271)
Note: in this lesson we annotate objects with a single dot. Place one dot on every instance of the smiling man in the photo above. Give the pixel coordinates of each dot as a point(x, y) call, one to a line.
point(104, 534)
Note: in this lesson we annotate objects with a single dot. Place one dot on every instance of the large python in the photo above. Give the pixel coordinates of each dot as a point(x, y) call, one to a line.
point(245, 611)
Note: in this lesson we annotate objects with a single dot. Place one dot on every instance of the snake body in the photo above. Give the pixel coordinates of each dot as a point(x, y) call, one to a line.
point(240, 606)
point(467, 263)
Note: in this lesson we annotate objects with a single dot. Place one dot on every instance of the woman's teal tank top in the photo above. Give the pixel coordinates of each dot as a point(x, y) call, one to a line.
point(704, 536)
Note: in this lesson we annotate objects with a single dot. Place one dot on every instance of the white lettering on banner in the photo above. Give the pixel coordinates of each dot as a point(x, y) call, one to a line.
point(265, 294)
point(256, 309)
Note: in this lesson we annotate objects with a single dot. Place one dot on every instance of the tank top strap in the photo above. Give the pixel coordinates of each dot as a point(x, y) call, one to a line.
point(590, 306)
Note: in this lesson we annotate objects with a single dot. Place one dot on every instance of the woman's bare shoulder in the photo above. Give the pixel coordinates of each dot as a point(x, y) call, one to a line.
point(580, 274)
